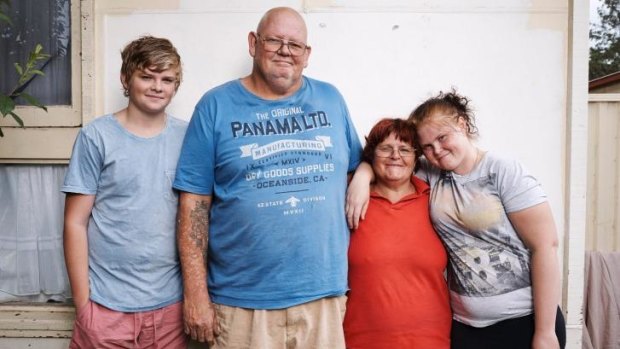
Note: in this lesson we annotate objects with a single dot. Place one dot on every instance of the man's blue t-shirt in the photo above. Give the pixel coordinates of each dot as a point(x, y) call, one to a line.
point(277, 173)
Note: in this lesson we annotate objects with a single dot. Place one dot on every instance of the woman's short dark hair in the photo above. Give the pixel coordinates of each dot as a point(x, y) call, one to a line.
point(402, 129)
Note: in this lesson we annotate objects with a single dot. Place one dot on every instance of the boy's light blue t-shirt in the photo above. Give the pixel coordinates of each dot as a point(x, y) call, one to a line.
point(277, 172)
point(133, 260)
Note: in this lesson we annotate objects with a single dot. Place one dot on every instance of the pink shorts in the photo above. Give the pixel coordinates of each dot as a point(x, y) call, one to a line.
point(99, 327)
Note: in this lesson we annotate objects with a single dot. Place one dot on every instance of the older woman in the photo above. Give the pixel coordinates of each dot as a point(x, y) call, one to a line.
point(398, 296)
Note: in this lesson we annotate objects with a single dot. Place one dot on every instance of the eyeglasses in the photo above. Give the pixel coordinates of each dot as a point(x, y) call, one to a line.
point(271, 44)
point(386, 152)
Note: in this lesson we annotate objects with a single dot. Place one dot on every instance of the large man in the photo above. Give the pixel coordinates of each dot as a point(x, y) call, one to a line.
point(262, 179)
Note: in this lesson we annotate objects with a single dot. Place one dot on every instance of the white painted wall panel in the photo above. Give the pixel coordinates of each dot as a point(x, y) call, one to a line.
point(386, 58)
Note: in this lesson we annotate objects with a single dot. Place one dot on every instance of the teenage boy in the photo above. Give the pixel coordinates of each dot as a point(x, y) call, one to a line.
point(120, 211)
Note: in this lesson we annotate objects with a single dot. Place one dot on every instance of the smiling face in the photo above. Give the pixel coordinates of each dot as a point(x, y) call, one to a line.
point(394, 161)
point(445, 143)
point(279, 72)
point(151, 91)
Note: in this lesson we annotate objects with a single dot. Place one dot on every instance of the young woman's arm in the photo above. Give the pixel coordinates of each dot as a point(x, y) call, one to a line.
point(358, 194)
point(536, 227)
point(78, 208)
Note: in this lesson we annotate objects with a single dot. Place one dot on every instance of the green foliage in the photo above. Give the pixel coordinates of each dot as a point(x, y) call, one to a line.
point(4, 5)
point(26, 73)
point(605, 40)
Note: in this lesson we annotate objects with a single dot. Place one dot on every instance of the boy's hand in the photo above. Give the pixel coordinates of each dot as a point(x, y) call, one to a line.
point(200, 321)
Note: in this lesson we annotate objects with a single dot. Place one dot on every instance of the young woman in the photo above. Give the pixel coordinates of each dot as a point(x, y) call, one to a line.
point(497, 227)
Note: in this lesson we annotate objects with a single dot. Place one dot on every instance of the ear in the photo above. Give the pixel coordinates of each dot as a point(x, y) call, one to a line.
point(308, 52)
point(252, 42)
point(461, 124)
point(124, 82)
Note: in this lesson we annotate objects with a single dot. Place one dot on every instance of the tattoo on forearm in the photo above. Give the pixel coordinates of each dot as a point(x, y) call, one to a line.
point(199, 230)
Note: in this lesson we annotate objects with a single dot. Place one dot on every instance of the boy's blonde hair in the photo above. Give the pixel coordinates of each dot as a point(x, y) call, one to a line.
point(148, 52)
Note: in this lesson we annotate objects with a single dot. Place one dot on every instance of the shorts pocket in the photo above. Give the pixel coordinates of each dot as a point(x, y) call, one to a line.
point(342, 302)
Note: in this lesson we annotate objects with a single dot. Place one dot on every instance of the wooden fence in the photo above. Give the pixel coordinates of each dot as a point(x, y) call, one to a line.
point(603, 192)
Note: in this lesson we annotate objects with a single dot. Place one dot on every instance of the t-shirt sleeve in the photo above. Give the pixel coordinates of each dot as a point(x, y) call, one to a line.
point(195, 169)
point(84, 167)
point(355, 146)
point(518, 188)
point(424, 170)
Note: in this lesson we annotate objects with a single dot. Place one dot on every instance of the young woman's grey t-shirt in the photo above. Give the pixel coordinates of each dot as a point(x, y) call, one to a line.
point(489, 269)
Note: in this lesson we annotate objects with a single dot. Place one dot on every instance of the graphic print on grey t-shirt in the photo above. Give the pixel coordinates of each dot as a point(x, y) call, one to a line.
point(469, 216)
